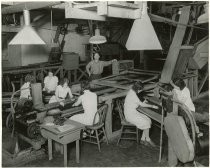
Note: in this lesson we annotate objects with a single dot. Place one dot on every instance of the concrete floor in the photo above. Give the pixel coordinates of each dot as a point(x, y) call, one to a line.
point(127, 154)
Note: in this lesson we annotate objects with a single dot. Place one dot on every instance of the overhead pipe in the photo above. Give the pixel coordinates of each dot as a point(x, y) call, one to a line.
point(27, 5)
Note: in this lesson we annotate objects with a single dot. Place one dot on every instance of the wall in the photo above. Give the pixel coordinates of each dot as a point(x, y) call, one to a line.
point(73, 42)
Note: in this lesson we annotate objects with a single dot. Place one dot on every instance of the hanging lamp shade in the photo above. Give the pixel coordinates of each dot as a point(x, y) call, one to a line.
point(142, 35)
point(27, 35)
point(97, 39)
point(204, 18)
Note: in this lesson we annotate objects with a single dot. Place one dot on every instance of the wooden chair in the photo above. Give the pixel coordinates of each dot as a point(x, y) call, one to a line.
point(126, 126)
point(96, 131)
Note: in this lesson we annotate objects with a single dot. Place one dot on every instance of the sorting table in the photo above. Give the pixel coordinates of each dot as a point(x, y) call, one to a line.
point(65, 134)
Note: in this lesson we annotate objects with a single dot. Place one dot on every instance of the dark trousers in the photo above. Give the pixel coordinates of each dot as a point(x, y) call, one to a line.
point(94, 77)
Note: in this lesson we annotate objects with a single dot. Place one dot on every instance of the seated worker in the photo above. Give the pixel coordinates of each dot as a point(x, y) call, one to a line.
point(61, 92)
point(88, 100)
point(95, 67)
point(25, 88)
point(50, 83)
point(134, 117)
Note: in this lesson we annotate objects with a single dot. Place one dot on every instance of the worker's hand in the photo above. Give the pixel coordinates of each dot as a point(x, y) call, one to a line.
point(89, 73)
point(73, 105)
point(145, 101)
point(171, 82)
point(154, 107)
point(62, 104)
point(114, 60)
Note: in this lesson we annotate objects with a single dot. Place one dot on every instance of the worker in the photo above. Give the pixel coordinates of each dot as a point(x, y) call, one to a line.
point(95, 67)
point(25, 88)
point(88, 100)
point(50, 83)
point(134, 117)
point(61, 92)
point(182, 94)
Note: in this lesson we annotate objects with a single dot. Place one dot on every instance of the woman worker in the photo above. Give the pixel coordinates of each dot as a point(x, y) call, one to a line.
point(25, 88)
point(95, 67)
point(50, 82)
point(133, 116)
point(88, 100)
point(182, 94)
point(61, 92)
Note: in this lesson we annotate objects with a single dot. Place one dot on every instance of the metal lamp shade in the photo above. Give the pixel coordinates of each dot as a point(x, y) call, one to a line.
point(27, 36)
point(97, 39)
point(142, 35)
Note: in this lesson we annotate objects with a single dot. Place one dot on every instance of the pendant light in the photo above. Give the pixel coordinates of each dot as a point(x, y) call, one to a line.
point(97, 38)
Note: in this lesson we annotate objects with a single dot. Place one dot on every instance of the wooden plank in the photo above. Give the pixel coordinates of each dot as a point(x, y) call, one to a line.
point(203, 82)
point(151, 114)
point(173, 53)
point(104, 83)
point(122, 4)
point(76, 13)
point(123, 13)
point(182, 62)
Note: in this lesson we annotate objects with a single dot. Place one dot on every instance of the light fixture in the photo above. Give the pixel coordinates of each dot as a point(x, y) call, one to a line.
point(204, 18)
point(97, 38)
point(27, 35)
point(142, 35)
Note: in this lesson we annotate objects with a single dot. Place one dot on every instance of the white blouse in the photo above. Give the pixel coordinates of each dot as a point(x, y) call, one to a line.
point(26, 92)
point(184, 97)
point(50, 82)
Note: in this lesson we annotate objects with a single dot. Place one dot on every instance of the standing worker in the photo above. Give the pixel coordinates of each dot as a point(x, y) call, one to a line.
point(95, 67)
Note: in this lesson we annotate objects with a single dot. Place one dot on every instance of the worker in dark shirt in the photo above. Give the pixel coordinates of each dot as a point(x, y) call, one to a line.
point(95, 67)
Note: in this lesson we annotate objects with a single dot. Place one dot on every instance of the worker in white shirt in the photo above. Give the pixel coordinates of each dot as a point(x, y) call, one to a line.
point(50, 82)
point(61, 91)
point(88, 100)
point(134, 117)
point(182, 94)
point(25, 88)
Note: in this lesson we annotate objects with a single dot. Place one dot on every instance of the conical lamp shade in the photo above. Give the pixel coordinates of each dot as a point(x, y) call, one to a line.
point(142, 35)
point(27, 36)
point(97, 39)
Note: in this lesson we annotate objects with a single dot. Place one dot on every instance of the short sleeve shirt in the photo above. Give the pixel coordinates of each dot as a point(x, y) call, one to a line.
point(25, 93)
point(51, 82)
point(97, 67)
point(184, 97)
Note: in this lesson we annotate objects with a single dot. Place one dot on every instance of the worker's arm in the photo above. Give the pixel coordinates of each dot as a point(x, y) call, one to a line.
point(57, 95)
point(106, 63)
point(144, 104)
point(45, 83)
point(70, 94)
point(78, 102)
point(88, 66)
point(174, 86)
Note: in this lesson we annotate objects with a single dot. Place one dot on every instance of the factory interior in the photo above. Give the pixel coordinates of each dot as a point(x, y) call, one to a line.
point(105, 83)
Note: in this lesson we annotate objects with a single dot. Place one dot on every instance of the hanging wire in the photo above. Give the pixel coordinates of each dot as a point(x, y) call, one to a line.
point(51, 25)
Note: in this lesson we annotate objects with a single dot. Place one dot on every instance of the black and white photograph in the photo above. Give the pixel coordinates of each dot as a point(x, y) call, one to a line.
point(104, 83)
